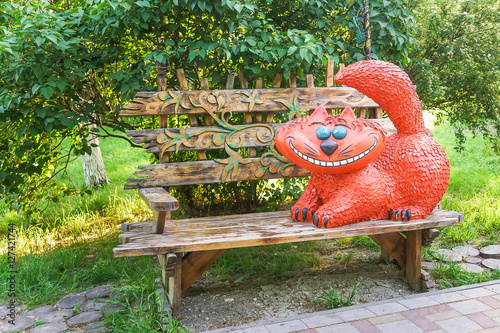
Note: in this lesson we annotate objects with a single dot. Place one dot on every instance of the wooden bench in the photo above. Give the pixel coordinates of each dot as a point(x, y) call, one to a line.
point(188, 247)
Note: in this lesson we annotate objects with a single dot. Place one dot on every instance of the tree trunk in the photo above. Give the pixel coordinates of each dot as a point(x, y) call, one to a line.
point(93, 165)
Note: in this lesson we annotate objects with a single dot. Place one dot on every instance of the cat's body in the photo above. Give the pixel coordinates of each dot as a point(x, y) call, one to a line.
point(358, 173)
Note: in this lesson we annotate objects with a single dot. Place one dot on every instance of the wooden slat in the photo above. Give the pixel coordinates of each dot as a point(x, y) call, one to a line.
point(163, 119)
point(150, 104)
point(292, 81)
point(276, 84)
point(241, 232)
point(204, 141)
point(158, 199)
point(330, 73)
point(205, 172)
point(310, 81)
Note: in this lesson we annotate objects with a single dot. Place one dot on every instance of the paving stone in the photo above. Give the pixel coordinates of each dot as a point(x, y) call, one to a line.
point(494, 287)
point(466, 251)
point(418, 317)
point(5, 310)
point(471, 268)
point(50, 328)
point(448, 255)
point(491, 263)
point(95, 327)
point(365, 326)
point(459, 325)
point(39, 311)
point(85, 318)
point(57, 315)
point(492, 251)
point(482, 320)
point(287, 326)
point(321, 320)
point(387, 308)
point(476, 292)
point(418, 302)
point(98, 292)
point(386, 319)
point(112, 308)
point(21, 324)
point(344, 328)
point(443, 315)
point(448, 297)
point(256, 329)
point(428, 264)
point(70, 301)
point(474, 260)
point(92, 306)
point(399, 326)
point(491, 301)
point(470, 306)
point(356, 314)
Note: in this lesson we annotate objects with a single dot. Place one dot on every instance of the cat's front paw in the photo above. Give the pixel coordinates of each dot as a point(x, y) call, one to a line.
point(302, 214)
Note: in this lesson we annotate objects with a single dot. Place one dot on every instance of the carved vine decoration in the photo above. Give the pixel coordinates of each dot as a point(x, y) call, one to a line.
point(226, 134)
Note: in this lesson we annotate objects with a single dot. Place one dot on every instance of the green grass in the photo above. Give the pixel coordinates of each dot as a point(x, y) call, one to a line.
point(474, 190)
point(331, 298)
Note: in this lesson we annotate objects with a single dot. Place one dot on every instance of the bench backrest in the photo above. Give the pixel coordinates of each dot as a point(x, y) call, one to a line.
point(237, 121)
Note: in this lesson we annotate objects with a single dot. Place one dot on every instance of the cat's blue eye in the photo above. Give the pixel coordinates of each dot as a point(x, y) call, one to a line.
point(323, 133)
point(339, 132)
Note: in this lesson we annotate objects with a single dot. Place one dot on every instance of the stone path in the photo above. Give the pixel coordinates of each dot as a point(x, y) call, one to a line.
point(473, 308)
point(469, 258)
point(74, 313)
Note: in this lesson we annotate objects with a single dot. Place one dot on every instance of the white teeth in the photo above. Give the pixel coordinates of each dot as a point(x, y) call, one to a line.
point(335, 163)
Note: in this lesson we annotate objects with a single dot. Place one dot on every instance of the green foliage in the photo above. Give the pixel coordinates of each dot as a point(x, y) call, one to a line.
point(64, 65)
point(140, 313)
point(449, 275)
point(456, 64)
point(331, 298)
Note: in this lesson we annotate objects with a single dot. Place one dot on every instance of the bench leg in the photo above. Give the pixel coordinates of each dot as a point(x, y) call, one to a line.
point(171, 266)
point(414, 258)
point(194, 264)
point(393, 244)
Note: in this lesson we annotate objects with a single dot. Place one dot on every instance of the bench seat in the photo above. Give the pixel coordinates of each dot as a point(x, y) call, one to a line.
point(233, 231)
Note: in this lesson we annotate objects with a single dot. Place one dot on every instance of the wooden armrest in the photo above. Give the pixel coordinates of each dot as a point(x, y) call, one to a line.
point(158, 199)
point(161, 203)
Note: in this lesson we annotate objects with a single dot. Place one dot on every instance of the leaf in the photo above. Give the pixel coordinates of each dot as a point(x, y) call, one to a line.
point(251, 41)
point(47, 92)
point(291, 50)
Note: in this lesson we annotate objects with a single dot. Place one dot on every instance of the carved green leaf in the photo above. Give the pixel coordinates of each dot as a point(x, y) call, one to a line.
point(294, 107)
point(232, 164)
point(177, 100)
point(252, 100)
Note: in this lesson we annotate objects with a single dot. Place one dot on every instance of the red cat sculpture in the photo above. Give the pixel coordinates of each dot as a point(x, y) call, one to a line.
point(358, 173)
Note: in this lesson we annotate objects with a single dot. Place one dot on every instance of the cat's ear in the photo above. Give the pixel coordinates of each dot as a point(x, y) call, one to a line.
point(347, 113)
point(319, 113)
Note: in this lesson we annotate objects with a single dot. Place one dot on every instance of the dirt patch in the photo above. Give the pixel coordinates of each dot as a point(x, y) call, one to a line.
point(211, 304)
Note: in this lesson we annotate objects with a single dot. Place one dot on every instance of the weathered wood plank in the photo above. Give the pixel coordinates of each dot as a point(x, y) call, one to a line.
point(174, 286)
point(206, 172)
point(413, 262)
point(237, 100)
point(329, 73)
point(200, 138)
point(158, 199)
point(240, 232)
point(194, 264)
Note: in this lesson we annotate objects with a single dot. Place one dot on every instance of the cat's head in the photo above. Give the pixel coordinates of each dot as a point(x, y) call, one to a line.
point(332, 144)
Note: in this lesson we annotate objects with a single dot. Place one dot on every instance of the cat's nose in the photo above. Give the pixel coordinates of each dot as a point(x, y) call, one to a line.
point(329, 147)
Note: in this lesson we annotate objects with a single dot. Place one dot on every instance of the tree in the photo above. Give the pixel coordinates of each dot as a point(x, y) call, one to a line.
point(53, 53)
point(456, 64)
